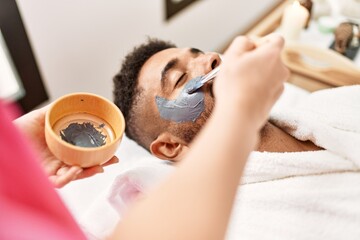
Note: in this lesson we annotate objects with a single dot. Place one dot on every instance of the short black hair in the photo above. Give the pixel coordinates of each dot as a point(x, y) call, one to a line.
point(126, 92)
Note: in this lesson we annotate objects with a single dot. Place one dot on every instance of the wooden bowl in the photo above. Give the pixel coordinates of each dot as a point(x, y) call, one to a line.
point(90, 115)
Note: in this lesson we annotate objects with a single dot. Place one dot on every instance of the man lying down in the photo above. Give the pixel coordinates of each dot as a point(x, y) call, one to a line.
point(303, 182)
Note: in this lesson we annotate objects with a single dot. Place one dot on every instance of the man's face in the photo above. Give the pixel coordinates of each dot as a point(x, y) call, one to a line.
point(165, 74)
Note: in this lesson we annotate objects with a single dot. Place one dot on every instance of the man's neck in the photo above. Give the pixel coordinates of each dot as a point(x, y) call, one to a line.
point(274, 139)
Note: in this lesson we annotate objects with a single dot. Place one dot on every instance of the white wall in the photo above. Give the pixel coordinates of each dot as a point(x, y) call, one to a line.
point(79, 44)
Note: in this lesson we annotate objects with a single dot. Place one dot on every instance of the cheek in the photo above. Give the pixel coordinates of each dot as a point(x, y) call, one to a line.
point(206, 114)
point(185, 108)
point(175, 93)
point(197, 68)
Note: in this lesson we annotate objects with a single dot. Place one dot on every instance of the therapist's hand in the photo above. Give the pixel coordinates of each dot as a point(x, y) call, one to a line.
point(60, 174)
point(252, 76)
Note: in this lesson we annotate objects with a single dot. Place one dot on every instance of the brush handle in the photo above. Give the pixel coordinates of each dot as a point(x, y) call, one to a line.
point(212, 74)
point(209, 76)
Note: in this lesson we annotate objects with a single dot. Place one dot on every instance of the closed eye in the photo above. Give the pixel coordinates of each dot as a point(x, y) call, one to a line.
point(182, 77)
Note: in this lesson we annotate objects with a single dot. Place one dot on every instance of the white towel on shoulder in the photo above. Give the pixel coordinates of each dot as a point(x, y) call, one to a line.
point(329, 118)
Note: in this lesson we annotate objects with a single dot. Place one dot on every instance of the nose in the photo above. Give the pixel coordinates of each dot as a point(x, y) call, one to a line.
point(213, 60)
point(207, 62)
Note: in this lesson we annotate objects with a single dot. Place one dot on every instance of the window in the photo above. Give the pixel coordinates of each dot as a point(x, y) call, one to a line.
point(10, 84)
point(23, 81)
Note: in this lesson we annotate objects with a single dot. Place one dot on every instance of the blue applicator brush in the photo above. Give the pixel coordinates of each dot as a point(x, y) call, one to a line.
point(204, 79)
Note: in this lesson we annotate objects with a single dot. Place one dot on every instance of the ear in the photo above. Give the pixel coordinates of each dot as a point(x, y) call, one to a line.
point(169, 147)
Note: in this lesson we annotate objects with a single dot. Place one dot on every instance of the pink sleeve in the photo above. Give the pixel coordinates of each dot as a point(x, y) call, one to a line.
point(29, 206)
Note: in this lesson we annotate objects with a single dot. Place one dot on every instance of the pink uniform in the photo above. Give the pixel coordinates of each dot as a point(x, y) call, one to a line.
point(30, 208)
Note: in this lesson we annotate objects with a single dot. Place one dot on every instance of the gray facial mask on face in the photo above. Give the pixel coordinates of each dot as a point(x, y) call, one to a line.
point(186, 107)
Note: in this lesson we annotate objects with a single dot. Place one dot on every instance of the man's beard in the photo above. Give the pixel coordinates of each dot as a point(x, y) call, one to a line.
point(188, 131)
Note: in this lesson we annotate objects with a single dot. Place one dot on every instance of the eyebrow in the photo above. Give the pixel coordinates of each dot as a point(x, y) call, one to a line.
point(195, 50)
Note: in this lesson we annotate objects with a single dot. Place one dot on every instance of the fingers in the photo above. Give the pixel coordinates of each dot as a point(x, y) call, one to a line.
point(112, 160)
point(45, 108)
point(91, 171)
point(65, 175)
point(286, 73)
point(41, 111)
point(270, 47)
point(51, 167)
point(271, 40)
point(241, 45)
point(244, 44)
point(278, 90)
